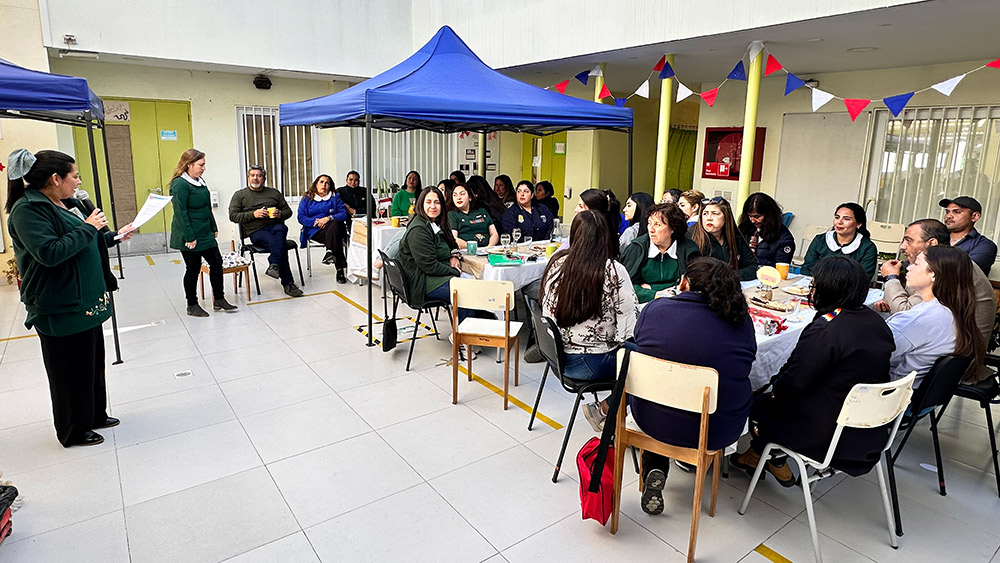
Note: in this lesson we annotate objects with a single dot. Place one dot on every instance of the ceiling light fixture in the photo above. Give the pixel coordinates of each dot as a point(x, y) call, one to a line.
point(67, 54)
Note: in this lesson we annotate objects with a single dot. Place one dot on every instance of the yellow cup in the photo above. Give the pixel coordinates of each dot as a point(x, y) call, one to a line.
point(550, 250)
point(395, 221)
point(272, 212)
point(782, 269)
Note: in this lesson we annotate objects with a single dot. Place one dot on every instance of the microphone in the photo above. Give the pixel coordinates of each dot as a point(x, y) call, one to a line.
point(84, 198)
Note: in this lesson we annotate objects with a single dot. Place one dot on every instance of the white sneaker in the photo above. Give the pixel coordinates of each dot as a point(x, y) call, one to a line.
point(592, 412)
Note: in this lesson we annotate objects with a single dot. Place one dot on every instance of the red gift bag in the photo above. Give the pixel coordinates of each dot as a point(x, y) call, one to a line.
point(596, 506)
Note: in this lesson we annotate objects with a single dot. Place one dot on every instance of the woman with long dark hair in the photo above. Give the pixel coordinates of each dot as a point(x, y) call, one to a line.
point(769, 239)
point(503, 186)
point(605, 203)
point(636, 213)
point(716, 235)
point(323, 218)
point(406, 197)
point(470, 222)
point(846, 343)
point(944, 322)
point(590, 297)
point(849, 237)
point(61, 248)
point(532, 218)
point(428, 253)
point(485, 198)
point(545, 194)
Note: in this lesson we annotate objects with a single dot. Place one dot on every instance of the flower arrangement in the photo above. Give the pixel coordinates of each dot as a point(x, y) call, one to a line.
point(12, 272)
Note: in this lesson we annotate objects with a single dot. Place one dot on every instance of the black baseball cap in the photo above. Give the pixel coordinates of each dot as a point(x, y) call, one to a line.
point(963, 201)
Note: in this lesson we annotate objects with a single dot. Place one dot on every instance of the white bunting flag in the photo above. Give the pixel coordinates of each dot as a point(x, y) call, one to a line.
point(682, 91)
point(755, 47)
point(820, 98)
point(643, 90)
point(596, 71)
point(948, 86)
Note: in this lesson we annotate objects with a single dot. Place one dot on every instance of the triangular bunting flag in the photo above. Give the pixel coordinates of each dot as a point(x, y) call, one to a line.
point(597, 71)
point(604, 92)
point(738, 72)
point(582, 77)
point(755, 47)
point(855, 106)
point(667, 71)
point(710, 96)
point(948, 86)
point(682, 92)
point(793, 83)
point(772, 65)
point(994, 64)
point(562, 86)
point(897, 103)
point(620, 102)
point(820, 98)
point(643, 90)
point(660, 63)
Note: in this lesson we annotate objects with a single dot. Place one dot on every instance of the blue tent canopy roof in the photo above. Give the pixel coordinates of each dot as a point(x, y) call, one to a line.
point(48, 97)
point(445, 87)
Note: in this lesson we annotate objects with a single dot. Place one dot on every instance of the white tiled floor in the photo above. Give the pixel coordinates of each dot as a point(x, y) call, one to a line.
point(292, 441)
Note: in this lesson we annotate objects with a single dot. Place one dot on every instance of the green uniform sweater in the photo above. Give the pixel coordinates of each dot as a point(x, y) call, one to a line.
point(401, 203)
point(746, 267)
point(866, 254)
point(193, 219)
point(424, 257)
point(662, 271)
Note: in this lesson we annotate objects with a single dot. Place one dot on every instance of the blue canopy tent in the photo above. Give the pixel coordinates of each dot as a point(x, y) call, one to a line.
point(64, 100)
point(445, 87)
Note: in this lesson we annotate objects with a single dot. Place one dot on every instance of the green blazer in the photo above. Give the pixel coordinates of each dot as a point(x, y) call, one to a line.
point(193, 219)
point(636, 254)
point(746, 266)
point(424, 257)
point(866, 253)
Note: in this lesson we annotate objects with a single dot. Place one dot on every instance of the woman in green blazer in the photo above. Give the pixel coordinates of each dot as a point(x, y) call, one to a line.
point(428, 253)
point(193, 231)
point(848, 237)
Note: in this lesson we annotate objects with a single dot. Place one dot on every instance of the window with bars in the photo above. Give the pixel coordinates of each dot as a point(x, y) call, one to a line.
point(395, 154)
point(263, 142)
point(927, 154)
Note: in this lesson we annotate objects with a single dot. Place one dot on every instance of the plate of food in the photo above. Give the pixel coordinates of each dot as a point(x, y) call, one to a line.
point(773, 304)
point(797, 290)
point(495, 250)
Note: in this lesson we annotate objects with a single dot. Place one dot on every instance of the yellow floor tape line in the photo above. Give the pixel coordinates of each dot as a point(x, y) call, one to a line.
point(18, 337)
point(150, 260)
point(771, 554)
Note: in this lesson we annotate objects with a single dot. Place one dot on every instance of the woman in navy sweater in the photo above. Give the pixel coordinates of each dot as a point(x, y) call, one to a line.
point(323, 217)
point(761, 225)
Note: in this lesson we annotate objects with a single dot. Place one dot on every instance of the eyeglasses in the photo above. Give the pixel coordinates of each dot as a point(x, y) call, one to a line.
point(714, 200)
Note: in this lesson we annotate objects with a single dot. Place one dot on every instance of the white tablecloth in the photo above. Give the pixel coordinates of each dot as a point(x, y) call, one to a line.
point(521, 275)
point(357, 252)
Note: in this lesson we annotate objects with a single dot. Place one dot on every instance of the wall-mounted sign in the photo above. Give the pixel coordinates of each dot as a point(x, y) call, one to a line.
point(168, 135)
point(470, 154)
point(116, 110)
point(558, 148)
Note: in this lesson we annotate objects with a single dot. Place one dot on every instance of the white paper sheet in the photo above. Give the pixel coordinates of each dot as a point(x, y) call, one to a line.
point(153, 205)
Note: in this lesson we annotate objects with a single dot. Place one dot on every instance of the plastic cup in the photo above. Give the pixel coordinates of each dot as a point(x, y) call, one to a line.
point(550, 250)
point(471, 247)
point(272, 212)
point(395, 222)
point(782, 269)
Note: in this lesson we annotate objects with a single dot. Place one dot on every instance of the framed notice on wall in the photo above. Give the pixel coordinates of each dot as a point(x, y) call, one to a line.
point(723, 149)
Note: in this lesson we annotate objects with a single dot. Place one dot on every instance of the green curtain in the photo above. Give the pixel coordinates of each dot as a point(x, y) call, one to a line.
point(680, 159)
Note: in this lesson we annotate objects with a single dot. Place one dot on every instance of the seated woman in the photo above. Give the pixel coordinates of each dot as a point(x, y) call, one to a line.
point(845, 344)
point(486, 198)
point(690, 204)
point(605, 203)
point(428, 253)
point(405, 198)
point(716, 235)
point(504, 188)
point(944, 322)
point(711, 314)
point(761, 225)
point(848, 237)
point(534, 220)
point(636, 213)
point(589, 296)
point(322, 216)
point(446, 186)
point(545, 195)
point(469, 221)
point(656, 260)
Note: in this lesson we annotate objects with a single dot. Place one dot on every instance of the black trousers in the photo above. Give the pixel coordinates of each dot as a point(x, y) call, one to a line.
point(192, 264)
point(75, 367)
point(332, 236)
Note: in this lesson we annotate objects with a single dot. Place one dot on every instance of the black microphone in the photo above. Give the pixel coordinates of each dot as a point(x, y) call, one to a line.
point(84, 199)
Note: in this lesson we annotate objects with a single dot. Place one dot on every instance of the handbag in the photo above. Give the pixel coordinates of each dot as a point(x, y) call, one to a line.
point(388, 335)
point(595, 460)
point(7, 496)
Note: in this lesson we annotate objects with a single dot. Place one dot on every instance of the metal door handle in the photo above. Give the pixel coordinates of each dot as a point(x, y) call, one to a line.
point(157, 190)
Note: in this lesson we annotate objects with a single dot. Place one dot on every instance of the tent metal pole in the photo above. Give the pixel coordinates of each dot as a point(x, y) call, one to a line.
point(630, 162)
point(111, 190)
point(368, 238)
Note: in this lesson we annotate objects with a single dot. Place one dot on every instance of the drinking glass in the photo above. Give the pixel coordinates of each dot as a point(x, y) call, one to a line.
point(556, 229)
point(505, 240)
point(516, 235)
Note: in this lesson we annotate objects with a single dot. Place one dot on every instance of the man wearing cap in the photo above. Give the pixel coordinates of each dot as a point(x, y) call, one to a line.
point(261, 212)
point(960, 216)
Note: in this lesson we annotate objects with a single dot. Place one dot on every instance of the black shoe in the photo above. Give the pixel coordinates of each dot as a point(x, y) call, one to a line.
point(293, 290)
point(652, 493)
point(89, 439)
point(108, 423)
point(272, 271)
point(328, 259)
point(196, 311)
point(341, 278)
point(223, 305)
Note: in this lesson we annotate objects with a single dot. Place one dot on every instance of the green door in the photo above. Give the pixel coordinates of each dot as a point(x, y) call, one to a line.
point(550, 152)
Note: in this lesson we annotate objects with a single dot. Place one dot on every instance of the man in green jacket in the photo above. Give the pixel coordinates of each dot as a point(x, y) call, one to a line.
point(261, 213)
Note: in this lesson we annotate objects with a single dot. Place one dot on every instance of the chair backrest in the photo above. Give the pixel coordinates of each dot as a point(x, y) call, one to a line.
point(871, 405)
point(940, 383)
point(786, 218)
point(484, 295)
point(680, 386)
point(397, 279)
point(547, 336)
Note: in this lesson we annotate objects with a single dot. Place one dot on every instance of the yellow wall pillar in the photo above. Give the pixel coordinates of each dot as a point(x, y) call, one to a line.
point(749, 130)
point(663, 133)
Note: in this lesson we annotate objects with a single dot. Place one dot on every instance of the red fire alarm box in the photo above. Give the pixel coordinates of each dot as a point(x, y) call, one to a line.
point(723, 150)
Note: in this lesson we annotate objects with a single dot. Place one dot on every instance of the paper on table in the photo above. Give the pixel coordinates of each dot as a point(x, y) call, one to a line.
point(153, 205)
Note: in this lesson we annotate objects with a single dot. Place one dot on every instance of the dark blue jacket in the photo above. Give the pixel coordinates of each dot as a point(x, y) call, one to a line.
point(537, 224)
point(310, 210)
point(982, 250)
point(710, 342)
point(770, 252)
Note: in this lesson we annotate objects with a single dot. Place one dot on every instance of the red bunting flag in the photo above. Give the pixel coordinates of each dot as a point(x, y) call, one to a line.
point(994, 64)
point(855, 106)
point(604, 92)
point(772, 65)
point(659, 65)
point(562, 86)
point(710, 96)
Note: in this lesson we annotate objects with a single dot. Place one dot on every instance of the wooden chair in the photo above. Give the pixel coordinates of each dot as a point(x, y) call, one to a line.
point(680, 386)
point(238, 272)
point(484, 295)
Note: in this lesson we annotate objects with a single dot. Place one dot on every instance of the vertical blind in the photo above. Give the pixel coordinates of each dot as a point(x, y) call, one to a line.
point(263, 142)
point(395, 154)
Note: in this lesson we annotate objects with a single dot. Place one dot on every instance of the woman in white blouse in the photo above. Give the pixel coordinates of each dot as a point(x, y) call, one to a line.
point(595, 308)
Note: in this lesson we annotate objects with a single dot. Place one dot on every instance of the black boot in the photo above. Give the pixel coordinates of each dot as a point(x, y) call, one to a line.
point(196, 311)
point(341, 278)
point(223, 305)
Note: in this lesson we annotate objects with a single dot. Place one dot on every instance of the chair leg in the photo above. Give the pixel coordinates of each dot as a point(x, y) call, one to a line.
point(256, 281)
point(635, 460)
point(517, 360)
point(890, 469)
point(299, 262)
point(538, 397)
point(201, 281)
point(619, 468)
point(413, 340)
point(886, 505)
point(699, 491)
point(937, 454)
point(569, 430)
point(993, 444)
point(506, 379)
point(716, 470)
point(807, 494)
point(756, 478)
point(309, 260)
point(434, 322)
point(454, 370)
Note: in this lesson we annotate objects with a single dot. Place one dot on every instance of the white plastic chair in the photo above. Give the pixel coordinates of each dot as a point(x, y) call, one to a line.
point(867, 406)
point(809, 232)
